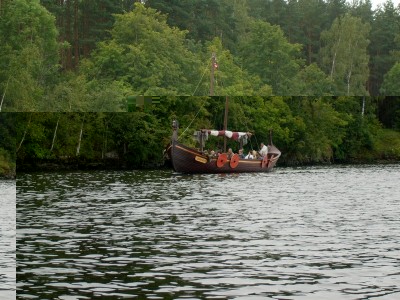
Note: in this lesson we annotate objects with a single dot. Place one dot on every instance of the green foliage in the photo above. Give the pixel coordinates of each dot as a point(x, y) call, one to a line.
point(7, 165)
point(305, 129)
point(311, 81)
point(90, 55)
point(76, 93)
point(387, 145)
point(29, 53)
point(147, 54)
point(344, 55)
point(391, 86)
point(230, 79)
point(325, 129)
point(205, 19)
point(7, 145)
point(389, 112)
point(267, 53)
point(361, 130)
point(385, 26)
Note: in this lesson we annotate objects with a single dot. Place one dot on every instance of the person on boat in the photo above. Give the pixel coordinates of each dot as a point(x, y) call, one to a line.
point(249, 155)
point(241, 155)
point(230, 153)
point(212, 154)
point(255, 154)
point(264, 150)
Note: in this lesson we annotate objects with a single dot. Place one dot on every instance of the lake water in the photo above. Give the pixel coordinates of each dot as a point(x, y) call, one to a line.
point(7, 240)
point(296, 233)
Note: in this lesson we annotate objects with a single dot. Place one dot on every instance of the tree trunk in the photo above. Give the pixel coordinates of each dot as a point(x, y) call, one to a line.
point(309, 47)
point(76, 34)
point(348, 82)
point(333, 65)
point(68, 34)
point(86, 28)
point(61, 37)
point(334, 60)
point(54, 135)
point(4, 94)
point(78, 148)
point(25, 132)
point(363, 107)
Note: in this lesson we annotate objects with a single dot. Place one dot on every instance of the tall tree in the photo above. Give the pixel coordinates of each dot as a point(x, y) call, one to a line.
point(335, 9)
point(204, 20)
point(267, 53)
point(362, 9)
point(29, 54)
point(312, 20)
point(82, 24)
point(390, 85)
point(147, 54)
point(311, 81)
point(385, 27)
point(344, 55)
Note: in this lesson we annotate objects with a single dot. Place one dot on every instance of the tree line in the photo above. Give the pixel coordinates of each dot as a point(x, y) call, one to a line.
point(81, 55)
point(307, 130)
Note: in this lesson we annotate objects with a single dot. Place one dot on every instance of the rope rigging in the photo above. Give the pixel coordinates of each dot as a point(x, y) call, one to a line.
point(201, 106)
point(205, 70)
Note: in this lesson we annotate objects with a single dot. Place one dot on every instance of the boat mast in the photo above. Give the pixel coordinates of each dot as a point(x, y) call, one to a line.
point(270, 137)
point(226, 120)
point(175, 127)
point(213, 60)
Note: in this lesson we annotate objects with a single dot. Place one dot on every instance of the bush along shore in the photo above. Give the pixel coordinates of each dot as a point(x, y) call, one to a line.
point(7, 145)
point(7, 168)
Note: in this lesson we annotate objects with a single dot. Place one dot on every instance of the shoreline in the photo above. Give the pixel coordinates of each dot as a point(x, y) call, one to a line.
point(119, 165)
point(82, 165)
point(9, 175)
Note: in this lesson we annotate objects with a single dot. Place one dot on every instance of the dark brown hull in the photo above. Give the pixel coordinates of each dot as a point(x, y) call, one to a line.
point(188, 160)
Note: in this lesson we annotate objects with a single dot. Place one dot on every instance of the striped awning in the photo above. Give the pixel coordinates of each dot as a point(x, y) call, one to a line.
point(229, 134)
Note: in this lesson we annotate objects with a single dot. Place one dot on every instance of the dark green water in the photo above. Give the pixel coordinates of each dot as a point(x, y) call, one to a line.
point(7, 240)
point(306, 233)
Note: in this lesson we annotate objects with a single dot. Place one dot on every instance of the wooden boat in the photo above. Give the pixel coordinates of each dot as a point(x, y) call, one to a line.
point(186, 159)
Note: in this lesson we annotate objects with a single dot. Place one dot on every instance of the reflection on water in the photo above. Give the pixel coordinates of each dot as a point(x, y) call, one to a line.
point(7, 240)
point(307, 233)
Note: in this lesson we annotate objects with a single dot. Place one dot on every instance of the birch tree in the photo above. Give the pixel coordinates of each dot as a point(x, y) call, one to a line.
point(344, 55)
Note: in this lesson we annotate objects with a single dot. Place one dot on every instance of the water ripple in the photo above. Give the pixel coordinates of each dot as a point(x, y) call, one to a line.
point(7, 240)
point(312, 233)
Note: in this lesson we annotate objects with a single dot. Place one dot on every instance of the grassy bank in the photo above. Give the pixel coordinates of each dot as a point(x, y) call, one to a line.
point(387, 146)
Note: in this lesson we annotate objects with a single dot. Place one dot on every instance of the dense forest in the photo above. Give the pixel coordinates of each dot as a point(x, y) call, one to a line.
point(7, 145)
point(83, 55)
point(307, 131)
